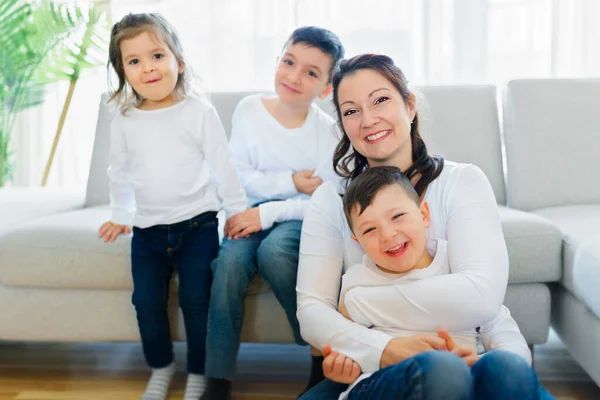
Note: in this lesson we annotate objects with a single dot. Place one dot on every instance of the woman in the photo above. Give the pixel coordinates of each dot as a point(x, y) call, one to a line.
point(378, 116)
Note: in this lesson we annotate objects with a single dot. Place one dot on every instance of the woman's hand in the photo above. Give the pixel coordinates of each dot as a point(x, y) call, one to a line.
point(466, 353)
point(400, 349)
point(243, 224)
point(339, 368)
point(109, 231)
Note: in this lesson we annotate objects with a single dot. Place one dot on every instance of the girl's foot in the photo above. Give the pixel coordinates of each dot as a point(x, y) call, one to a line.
point(158, 385)
point(195, 386)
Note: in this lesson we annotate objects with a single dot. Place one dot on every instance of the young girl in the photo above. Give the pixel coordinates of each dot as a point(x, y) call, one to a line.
point(165, 147)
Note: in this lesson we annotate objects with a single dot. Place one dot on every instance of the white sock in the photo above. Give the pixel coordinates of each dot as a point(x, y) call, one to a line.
point(158, 385)
point(195, 386)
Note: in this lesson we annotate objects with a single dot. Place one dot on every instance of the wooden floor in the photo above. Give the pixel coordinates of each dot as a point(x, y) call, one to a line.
point(116, 371)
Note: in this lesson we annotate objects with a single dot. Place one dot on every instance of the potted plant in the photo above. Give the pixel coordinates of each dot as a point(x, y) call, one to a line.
point(42, 42)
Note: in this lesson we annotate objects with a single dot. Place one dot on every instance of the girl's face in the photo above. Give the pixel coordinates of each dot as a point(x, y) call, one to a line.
point(376, 118)
point(151, 69)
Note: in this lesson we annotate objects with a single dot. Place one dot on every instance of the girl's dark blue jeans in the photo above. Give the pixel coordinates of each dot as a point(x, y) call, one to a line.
point(156, 252)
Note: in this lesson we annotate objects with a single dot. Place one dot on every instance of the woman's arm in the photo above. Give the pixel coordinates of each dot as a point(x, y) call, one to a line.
point(319, 276)
point(503, 333)
point(473, 292)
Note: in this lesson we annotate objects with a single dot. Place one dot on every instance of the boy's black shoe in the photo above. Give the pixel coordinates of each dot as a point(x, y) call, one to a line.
point(217, 389)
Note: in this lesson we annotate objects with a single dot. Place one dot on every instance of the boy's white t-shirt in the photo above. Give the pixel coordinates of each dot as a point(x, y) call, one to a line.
point(501, 333)
point(368, 274)
point(267, 154)
point(171, 164)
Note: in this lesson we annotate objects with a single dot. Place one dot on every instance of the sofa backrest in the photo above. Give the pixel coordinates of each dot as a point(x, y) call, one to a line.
point(552, 138)
point(461, 124)
point(97, 191)
point(226, 102)
point(458, 122)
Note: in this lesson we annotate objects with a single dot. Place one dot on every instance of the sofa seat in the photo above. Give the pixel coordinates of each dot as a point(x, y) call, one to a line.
point(19, 205)
point(577, 223)
point(84, 264)
point(586, 274)
point(534, 246)
point(580, 229)
point(82, 261)
point(78, 258)
point(80, 287)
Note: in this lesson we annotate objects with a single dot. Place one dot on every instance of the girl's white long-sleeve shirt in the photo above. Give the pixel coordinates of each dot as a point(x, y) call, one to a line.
point(171, 164)
point(463, 211)
point(267, 154)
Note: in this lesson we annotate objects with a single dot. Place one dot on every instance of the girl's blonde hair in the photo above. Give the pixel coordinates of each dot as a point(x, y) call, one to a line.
point(129, 27)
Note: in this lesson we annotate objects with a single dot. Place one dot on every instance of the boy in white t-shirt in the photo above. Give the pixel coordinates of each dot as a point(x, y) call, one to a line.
point(389, 220)
point(282, 146)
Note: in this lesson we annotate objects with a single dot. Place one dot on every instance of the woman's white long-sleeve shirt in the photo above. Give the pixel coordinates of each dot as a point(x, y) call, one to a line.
point(171, 164)
point(267, 154)
point(463, 212)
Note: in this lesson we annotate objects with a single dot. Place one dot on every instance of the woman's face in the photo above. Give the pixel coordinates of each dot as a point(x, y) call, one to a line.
point(376, 118)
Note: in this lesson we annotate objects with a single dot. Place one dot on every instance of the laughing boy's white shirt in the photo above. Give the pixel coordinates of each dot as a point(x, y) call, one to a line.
point(502, 333)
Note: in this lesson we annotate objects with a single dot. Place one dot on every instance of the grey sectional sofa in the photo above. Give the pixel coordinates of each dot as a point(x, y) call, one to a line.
point(58, 282)
point(552, 134)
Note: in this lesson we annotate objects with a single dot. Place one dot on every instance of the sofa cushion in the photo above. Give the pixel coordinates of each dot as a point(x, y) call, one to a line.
point(551, 139)
point(97, 191)
point(226, 103)
point(19, 205)
point(442, 112)
point(63, 251)
point(81, 260)
point(534, 246)
point(586, 273)
point(577, 224)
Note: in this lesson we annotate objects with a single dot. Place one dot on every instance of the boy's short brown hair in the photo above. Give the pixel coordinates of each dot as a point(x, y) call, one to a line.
point(363, 189)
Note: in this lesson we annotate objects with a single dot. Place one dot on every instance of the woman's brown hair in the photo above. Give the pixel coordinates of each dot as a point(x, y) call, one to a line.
point(350, 164)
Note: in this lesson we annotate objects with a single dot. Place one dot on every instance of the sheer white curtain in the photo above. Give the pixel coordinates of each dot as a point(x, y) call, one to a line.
point(234, 44)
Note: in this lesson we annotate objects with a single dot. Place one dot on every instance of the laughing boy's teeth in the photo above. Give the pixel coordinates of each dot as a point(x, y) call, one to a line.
point(397, 247)
point(377, 136)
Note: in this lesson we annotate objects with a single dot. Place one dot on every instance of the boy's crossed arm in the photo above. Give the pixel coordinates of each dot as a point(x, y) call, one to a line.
point(253, 220)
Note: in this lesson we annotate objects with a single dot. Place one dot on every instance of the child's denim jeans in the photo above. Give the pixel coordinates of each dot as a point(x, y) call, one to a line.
point(437, 375)
point(188, 247)
point(273, 253)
